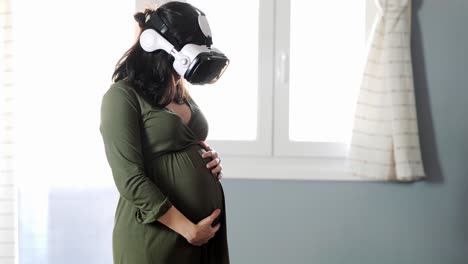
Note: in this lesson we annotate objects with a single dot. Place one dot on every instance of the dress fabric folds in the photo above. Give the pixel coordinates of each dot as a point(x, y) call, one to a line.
point(156, 162)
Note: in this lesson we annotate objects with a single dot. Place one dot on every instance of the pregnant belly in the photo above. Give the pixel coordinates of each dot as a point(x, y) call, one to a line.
point(190, 185)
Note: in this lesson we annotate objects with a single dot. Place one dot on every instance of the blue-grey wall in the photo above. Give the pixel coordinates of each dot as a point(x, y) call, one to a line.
point(297, 222)
point(323, 222)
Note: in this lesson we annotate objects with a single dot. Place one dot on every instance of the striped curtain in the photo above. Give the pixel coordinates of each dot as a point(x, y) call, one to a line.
point(385, 138)
point(8, 199)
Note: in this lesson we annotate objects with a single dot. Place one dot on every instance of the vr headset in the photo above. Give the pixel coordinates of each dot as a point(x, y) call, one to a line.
point(198, 64)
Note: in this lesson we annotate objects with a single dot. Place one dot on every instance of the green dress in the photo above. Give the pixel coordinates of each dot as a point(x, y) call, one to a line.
point(156, 162)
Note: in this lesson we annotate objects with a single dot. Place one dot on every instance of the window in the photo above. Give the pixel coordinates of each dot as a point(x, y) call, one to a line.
point(238, 107)
point(309, 56)
point(238, 40)
point(324, 41)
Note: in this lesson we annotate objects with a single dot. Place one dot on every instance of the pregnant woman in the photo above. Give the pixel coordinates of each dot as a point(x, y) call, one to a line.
point(171, 208)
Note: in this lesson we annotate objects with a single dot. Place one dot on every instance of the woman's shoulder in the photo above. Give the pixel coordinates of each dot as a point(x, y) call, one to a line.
point(121, 85)
point(135, 97)
point(121, 92)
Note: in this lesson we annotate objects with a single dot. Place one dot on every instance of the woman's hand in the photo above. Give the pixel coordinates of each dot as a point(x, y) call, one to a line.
point(215, 164)
point(202, 232)
point(196, 234)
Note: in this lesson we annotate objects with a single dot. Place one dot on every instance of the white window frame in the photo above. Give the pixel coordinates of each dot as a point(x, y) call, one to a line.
point(261, 147)
point(273, 155)
point(287, 160)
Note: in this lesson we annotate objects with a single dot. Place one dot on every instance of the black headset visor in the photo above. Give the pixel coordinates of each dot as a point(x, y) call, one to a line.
point(206, 68)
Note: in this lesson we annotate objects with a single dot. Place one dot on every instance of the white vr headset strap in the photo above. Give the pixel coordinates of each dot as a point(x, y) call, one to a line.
point(151, 40)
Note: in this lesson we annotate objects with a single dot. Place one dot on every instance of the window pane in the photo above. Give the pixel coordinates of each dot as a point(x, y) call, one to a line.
point(326, 49)
point(230, 105)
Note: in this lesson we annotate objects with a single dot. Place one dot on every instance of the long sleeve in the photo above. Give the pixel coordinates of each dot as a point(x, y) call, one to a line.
point(120, 129)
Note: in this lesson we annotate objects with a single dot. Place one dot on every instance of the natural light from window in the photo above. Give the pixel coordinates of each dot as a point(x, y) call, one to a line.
point(230, 105)
point(326, 49)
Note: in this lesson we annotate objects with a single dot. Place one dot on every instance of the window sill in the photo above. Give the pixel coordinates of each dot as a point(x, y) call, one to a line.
point(288, 168)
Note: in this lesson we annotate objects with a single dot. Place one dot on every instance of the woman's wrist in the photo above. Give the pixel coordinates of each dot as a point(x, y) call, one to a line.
point(187, 230)
point(176, 221)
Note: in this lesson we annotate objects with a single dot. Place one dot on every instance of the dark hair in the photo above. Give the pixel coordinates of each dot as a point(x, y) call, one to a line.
point(152, 73)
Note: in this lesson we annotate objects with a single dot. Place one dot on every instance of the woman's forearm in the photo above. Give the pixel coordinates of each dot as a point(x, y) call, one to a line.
point(176, 221)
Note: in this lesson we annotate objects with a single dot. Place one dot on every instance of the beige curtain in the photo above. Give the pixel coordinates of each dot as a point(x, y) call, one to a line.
point(385, 138)
point(8, 219)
